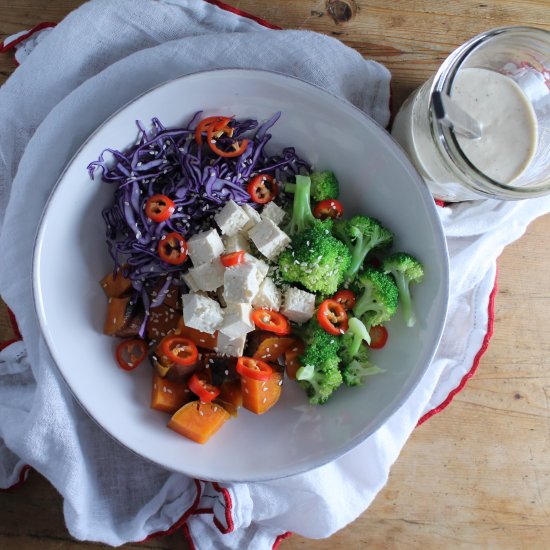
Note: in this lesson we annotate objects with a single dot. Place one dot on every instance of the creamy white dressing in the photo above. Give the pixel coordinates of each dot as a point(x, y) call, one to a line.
point(508, 121)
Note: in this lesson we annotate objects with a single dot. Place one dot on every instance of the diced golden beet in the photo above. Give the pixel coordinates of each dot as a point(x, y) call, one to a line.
point(115, 286)
point(292, 363)
point(162, 320)
point(259, 396)
point(267, 345)
point(123, 318)
point(231, 396)
point(201, 339)
point(168, 395)
point(160, 369)
point(174, 371)
point(199, 421)
point(172, 297)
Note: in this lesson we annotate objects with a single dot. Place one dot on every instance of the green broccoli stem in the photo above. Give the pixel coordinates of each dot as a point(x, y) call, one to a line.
point(302, 216)
point(358, 255)
point(362, 304)
point(405, 298)
point(290, 187)
point(360, 333)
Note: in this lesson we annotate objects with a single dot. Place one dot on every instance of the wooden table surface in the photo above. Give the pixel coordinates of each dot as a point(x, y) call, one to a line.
point(478, 474)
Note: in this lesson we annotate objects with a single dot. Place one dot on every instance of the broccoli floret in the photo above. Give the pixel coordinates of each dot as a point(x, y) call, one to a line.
point(362, 234)
point(377, 296)
point(301, 215)
point(324, 185)
point(405, 270)
point(315, 259)
point(351, 342)
point(355, 372)
point(319, 374)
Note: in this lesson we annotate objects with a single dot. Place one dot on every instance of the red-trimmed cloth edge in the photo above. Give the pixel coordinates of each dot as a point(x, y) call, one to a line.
point(10, 45)
point(477, 358)
point(21, 478)
point(238, 11)
point(180, 523)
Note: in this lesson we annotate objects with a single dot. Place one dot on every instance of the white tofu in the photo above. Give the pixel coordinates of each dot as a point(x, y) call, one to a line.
point(236, 320)
point(236, 242)
point(269, 239)
point(299, 305)
point(208, 277)
point(204, 247)
point(240, 283)
point(201, 312)
point(231, 218)
point(261, 267)
point(268, 296)
point(230, 346)
point(273, 212)
point(253, 217)
point(190, 282)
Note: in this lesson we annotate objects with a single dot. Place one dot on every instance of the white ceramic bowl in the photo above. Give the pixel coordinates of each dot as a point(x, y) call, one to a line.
point(376, 179)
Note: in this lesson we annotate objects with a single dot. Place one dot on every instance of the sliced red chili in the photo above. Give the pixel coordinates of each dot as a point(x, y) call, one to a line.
point(273, 321)
point(172, 248)
point(232, 258)
point(378, 336)
point(329, 208)
point(200, 386)
point(159, 208)
point(256, 369)
point(346, 298)
point(179, 350)
point(332, 317)
point(130, 353)
point(263, 188)
point(220, 123)
point(214, 135)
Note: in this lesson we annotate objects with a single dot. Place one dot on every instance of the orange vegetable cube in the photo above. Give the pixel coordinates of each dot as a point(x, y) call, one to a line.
point(231, 396)
point(199, 421)
point(115, 286)
point(201, 339)
point(259, 395)
point(169, 395)
point(292, 362)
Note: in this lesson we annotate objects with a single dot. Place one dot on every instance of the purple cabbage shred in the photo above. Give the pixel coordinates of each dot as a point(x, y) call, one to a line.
point(169, 161)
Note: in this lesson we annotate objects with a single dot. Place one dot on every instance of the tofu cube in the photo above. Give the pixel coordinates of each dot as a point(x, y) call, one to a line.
point(236, 320)
point(269, 239)
point(208, 277)
point(268, 296)
point(190, 282)
point(240, 283)
point(236, 242)
point(201, 313)
point(231, 218)
point(253, 217)
point(233, 347)
point(299, 305)
point(273, 212)
point(261, 267)
point(204, 247)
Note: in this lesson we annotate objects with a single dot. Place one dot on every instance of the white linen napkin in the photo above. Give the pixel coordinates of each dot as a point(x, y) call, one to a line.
point(111, 495)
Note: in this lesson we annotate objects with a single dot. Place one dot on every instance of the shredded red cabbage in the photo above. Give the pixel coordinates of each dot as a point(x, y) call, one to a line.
point(169, 161)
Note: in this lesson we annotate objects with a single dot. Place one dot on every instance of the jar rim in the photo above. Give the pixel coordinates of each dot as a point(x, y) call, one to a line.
point(445, 138)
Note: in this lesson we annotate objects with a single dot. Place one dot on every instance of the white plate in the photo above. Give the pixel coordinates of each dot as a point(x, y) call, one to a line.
point(71, 257)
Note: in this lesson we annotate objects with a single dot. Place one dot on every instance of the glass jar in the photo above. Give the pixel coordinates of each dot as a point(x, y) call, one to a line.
point(502, 78)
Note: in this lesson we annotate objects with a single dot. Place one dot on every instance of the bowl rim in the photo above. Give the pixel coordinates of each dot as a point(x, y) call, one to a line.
point(400, 398)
